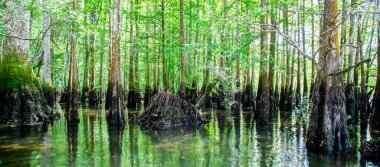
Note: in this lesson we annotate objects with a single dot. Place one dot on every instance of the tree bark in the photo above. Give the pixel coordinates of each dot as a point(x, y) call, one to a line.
point(164, 67)
point(72, 91)
point(182, 35)
point(327, 130)
point(262, 108)
point(133, 95)
point(272, 61)
point(116, 116)
point(93, 96)
point(21, 97)
point(298, 86)
point(363, 100)
point(350, 87)
point(85, 86)
point(305, 89)
point(47, 74)
point(375, 118)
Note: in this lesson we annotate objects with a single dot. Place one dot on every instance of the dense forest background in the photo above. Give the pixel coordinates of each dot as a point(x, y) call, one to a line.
point(214, 31)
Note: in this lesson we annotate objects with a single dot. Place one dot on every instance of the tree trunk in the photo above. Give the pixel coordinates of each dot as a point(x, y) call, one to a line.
point(148, 88)
point(93, 96)
point(47, 87)
point(350, 87)
point(182, 35)
point(134, 98)
point(285, 92)
point(155, 71)
point(272, 61)
point(108, 93)
point(375, 118)
point(47, 75)
point(305, 89)
point(363, 100)
point(101, 69)
point(164, 67)
point(21, 96)
point(262, 108)
point(72, 89)
point(85, 86)
point(327, 130)
point(116, 116)
point(312, 51)
point(298, 86)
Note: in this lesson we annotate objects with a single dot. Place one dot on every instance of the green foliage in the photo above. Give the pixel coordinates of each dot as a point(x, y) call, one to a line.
point(15, 72)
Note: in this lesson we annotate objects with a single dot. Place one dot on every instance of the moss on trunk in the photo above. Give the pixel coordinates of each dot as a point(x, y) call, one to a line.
point(21, 97)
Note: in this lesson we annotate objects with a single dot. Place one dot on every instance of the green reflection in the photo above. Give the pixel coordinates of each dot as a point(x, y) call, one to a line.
point(229, 139)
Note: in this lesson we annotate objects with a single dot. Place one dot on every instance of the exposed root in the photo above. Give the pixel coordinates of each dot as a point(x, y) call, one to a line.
point(25, 105)
point(166, 110)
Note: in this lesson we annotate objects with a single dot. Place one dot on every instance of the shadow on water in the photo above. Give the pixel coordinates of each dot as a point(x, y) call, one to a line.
point(229, 139)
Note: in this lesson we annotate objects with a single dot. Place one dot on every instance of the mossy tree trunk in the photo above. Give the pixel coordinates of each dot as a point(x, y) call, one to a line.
point(327, 130)
point(116, 115)
point(21, 97)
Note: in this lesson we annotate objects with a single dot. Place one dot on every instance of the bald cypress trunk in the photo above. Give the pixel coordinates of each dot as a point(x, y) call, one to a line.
point(47, 73)
point(350, 85)
point(85, 84)
point(47, 86)
point(21, 97)
point(116, 115)
point(262, 108)
point(182, 36)
point(164, 61)
point(272, 62)
point(134, 97)
point(363, 99)
point(375, 118)
point(93, 96)
point(108, 93)
point(327, 130)
point(72, 89)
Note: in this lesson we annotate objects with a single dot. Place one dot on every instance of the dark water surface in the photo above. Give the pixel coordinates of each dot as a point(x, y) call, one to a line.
point(227, 140)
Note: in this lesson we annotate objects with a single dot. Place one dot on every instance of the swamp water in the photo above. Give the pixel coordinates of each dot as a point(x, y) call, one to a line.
point(227, 140)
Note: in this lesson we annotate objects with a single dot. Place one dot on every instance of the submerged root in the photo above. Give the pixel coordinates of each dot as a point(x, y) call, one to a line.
point(166, 110)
